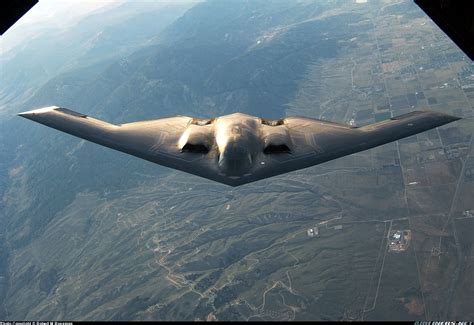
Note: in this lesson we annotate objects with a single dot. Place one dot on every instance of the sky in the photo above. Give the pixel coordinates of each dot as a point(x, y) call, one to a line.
point(50, 13)
point(61, 11)
point(58, 14)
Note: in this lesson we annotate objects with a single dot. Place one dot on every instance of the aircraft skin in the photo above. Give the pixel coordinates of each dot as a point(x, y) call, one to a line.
point(237, 149)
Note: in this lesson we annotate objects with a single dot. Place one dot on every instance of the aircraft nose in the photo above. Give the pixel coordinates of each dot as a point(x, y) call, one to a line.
point(235, 160)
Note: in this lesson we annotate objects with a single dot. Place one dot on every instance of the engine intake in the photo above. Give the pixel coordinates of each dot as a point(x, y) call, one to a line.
point(195, 148)
point(196, 139)
point(276, 140)
point(276, 148)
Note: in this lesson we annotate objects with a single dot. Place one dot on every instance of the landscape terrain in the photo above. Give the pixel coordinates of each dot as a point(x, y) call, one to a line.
point(88, 233)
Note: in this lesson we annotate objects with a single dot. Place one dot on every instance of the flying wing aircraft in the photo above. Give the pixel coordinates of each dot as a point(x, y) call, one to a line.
point(237, 149)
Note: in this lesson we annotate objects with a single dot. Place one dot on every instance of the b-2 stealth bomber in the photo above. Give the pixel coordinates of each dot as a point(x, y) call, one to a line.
point(238, 148)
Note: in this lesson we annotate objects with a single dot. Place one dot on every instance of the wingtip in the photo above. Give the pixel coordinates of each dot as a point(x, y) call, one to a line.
point(446, 117)
point(37, 111)
point(452, 118)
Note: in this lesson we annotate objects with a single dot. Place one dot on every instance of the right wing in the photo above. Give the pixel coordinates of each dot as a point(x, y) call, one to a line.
point(315, 141)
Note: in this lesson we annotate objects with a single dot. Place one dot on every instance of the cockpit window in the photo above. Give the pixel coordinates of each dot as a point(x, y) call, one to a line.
point(236, 129)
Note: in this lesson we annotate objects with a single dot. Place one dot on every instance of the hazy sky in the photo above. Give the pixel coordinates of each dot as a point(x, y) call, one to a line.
point(61, 10)
point(49, 13)
point(58, 14)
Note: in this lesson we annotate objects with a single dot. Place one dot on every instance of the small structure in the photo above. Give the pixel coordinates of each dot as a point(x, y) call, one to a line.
point(313, 231)
point(435, 251)
point(398, 240)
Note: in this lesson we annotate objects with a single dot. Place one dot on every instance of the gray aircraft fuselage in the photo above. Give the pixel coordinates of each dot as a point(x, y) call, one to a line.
point(238, 142)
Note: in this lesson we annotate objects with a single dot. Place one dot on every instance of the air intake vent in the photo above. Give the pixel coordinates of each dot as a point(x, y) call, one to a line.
point(195, 148)
point(275, 149)
point(273, 122)
point(202, 122)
